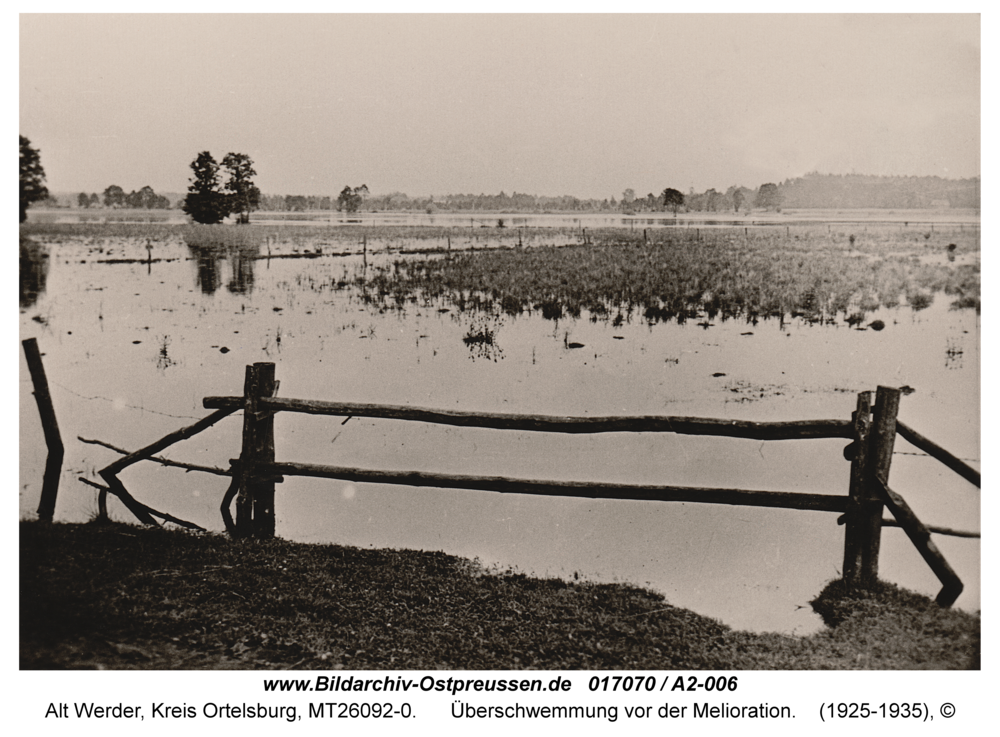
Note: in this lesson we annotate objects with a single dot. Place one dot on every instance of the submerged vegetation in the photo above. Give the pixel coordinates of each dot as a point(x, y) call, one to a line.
point(688, 275)
point(117, 596)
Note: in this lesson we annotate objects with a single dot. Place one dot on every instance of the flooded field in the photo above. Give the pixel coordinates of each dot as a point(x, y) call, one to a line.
point(139, 322)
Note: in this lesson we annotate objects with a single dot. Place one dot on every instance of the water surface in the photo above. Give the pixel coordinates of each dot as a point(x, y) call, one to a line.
point(132, 348)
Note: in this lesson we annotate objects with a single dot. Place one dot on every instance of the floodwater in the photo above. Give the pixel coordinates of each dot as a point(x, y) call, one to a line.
point(479, 220)
point(131, 349)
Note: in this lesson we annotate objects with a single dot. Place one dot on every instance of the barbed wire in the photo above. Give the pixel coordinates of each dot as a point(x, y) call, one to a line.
point(130, 406)
point(926, 455)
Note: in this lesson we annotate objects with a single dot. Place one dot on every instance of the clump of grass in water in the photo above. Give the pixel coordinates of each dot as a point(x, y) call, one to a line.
point(920, 301)
point(481, 340)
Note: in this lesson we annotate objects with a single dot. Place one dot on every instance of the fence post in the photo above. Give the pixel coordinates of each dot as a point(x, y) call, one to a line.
point(853, 531)
point(882, 442)
point(255, 500)
point(244, 497)
point(53, 441)
point(263, 486)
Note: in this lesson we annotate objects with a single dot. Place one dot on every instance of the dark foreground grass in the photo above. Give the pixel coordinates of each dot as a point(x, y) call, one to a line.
point(118, 596)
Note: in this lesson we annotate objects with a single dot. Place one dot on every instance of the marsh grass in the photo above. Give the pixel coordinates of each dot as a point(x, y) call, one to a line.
point(118, 596)
point(686, 275)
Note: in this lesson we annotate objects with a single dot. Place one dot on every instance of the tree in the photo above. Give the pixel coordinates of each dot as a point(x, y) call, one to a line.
point(768, 196)
point(147, 198)
point(243, 194)
point(351, 199)
point(295, 202)
point(82, 200)
point(32, 177)
point(114, 196)
point(205, 203)
point(672, 199)
point(737, 199)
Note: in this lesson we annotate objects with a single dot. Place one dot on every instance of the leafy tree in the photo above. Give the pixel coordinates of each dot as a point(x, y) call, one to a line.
point(768, 196)
point(114, 196)
point(147, 198)
point(673, 199)
point(82, 200)
point(296, 202)
point(204, 202)
point(351, 199)
point(737, 199)
point(243, 194)
point(95, 200)
point(346, 200)
point(32, 177)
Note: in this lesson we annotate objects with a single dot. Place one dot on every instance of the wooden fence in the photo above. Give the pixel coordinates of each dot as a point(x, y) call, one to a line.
point(871, 430)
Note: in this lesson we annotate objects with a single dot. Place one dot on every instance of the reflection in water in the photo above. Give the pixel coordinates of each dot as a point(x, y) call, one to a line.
point(209, 246)
point(953, 354)
point(207, 276)
point(242, 266)
point(34, 272)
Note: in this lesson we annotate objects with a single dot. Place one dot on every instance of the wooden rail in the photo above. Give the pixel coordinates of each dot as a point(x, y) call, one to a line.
point(808, 429)
point(920, 536)
point(584, 489)
point(872, 430)
point(934, 450)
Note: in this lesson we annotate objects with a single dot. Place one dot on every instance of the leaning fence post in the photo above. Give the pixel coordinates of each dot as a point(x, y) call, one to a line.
point(882, 441)
point(53, 464)
point(857, 451)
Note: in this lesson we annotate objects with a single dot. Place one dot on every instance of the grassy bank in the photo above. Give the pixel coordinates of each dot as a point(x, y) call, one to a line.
point(118, 596)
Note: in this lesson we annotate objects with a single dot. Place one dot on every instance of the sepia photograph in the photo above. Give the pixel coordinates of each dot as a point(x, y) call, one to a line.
point(499, 342)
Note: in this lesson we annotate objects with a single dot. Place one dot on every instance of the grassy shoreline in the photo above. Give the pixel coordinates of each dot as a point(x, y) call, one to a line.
point(121, 597)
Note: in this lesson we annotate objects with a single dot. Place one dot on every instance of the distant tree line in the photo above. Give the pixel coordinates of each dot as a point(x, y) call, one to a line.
point(210, 200)
point(295, 203)
point(812, 191)
point(114, 197)
point(862, 190)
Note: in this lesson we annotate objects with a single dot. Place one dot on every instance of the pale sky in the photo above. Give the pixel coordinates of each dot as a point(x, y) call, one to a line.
point(585, 105)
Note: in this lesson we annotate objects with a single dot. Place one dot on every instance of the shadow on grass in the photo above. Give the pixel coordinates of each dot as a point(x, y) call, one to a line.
point(119, 597)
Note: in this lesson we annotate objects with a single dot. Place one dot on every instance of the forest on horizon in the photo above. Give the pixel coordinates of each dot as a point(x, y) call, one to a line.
point(812, 191)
